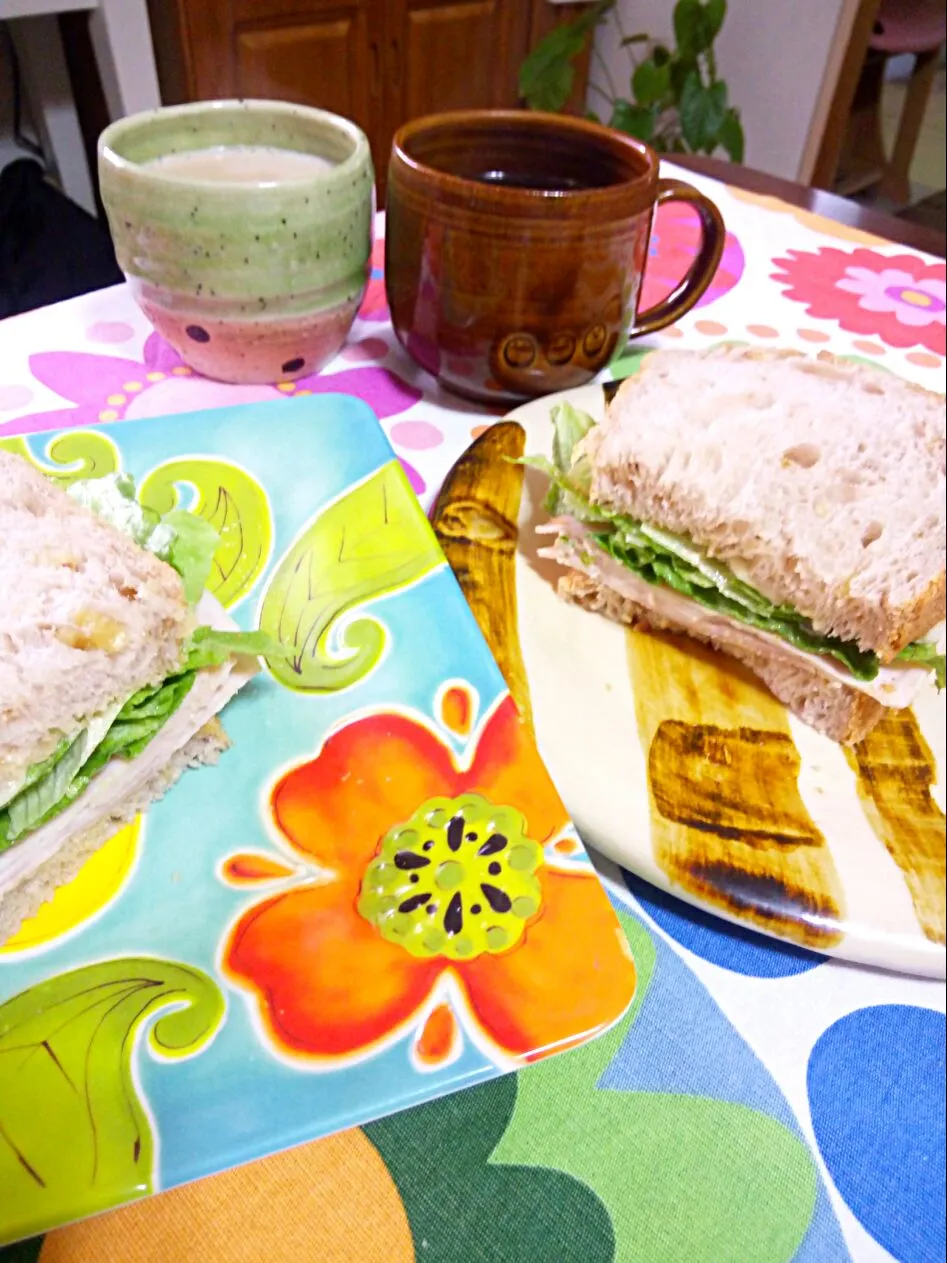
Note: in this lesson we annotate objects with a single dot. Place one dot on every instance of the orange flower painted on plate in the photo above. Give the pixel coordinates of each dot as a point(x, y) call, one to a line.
point(438, 885)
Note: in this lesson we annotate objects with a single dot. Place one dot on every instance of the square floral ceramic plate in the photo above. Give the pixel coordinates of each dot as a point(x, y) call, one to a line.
point(375, 898)
point(679, 764)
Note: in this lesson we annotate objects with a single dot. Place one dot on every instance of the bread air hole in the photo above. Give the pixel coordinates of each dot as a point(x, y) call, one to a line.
point(872, 532)
point(803, 454)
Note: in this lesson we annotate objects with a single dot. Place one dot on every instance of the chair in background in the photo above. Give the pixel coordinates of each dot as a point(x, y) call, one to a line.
point(121, 38)
point(853, 157)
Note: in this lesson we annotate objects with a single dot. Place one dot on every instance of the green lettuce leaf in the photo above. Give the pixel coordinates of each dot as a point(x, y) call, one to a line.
point(182, 539)
point(924, 653)
point(140, 720)
point(191, 550)
point(133, 728)
point(39, 770)
point(209, 647)
point(665, 569)
point(32, 803)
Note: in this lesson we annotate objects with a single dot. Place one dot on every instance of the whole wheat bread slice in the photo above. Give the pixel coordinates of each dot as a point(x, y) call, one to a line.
point(821, 482)
point(25, 900)
point(844, 714)
point(86, 616)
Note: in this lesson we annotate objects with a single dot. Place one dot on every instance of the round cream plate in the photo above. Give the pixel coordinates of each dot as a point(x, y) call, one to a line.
point(677, 764)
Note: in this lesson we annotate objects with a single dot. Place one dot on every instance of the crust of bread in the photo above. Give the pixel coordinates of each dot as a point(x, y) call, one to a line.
point(843, 714)
point(663, 455)
point(25, 900)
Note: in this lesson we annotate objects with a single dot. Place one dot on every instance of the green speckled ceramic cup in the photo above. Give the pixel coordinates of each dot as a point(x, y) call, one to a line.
point(250, 280)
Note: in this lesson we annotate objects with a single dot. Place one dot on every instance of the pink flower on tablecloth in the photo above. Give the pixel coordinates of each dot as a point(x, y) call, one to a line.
point(916, 303)
point(375, 303)
point(106, 388)
point(897, 298)
point(675, 241)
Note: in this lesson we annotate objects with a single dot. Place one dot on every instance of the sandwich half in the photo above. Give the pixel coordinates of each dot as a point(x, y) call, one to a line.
point(114, 663)
point(788, 511)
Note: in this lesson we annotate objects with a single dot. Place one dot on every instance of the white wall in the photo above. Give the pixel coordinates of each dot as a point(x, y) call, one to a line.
point(773, 55)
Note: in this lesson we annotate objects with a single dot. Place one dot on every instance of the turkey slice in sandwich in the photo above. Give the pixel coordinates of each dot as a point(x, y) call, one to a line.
point(788, 511)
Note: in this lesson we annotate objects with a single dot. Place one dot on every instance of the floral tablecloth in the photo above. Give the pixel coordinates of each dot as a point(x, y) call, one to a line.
point(758, 1103)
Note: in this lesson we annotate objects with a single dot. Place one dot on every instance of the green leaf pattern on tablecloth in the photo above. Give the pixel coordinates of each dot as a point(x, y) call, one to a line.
point(461, 1205)
point(550, 1156)
point(704, 1201)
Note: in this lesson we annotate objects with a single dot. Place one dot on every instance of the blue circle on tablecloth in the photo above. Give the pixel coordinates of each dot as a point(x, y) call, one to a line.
point(876, 1093)
point(733, 947)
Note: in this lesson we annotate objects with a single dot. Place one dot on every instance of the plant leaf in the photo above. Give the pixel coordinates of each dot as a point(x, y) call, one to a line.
point(234, 504)
point(696, 25)
point(546, 74)
point(634, 120)
point(374, 540)
point(650, 82)
point(660, 55)
point(702, 113)
point(714, 13)
point(681, 69)
point(75, 1137)
point(688, 26)
point(639, 38)
point(731, 135)
point(715, 111)
point(92, 455)
point(590, 19)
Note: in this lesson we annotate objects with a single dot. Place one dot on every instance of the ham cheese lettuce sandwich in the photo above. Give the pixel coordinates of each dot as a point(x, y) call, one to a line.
point(788, 511)
point(114, 663)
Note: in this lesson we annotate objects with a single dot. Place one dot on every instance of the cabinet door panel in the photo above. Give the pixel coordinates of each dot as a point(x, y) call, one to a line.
point(454, 55)
point(323, 61)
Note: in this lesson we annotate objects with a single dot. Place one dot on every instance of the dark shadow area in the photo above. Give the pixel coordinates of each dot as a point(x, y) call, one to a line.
point(50, 249)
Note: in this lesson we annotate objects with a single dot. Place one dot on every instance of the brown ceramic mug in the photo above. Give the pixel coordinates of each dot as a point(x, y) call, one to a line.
point(516, 244)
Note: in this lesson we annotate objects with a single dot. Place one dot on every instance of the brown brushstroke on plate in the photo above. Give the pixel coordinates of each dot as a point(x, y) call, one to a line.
point(728, 823)
point(895, 771)
point(476, 522)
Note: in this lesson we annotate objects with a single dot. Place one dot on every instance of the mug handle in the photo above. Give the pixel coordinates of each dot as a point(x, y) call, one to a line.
point(701, 271)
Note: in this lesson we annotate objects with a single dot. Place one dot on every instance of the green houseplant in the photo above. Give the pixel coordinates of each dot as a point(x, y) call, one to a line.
point(677, 102)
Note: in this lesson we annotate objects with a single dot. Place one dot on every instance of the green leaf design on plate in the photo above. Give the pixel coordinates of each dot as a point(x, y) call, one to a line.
point(234, 503)
point(374, 540)
point(75, 1137)
point(78, 453)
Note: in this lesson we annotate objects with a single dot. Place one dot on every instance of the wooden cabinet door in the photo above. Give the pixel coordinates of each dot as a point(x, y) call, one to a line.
point(379, 62)
point(315, 52)
point(451, 54)
point(321, 55)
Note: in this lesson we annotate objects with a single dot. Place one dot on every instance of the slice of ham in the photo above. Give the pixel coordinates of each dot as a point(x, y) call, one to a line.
point(894, 686)
point(119, 779)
